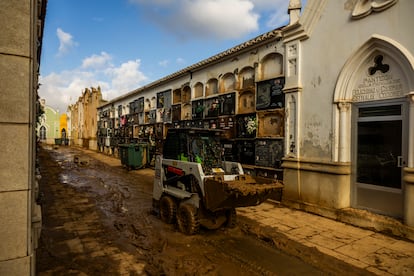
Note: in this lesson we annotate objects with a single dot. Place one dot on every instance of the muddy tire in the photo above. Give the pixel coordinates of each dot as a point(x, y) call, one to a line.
point(231, 218)
point(187, 219)
point(168, 209)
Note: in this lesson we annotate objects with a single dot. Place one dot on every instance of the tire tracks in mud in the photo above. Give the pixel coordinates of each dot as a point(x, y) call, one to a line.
point(249, 255)
point(137, 229)
point(129, 227)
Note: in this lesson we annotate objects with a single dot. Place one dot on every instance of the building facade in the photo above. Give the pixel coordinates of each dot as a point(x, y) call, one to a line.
point(239, 91)
point(325, 103)
point(83, 118)
point(350, 97)
point(51, 125)
point(20, 47)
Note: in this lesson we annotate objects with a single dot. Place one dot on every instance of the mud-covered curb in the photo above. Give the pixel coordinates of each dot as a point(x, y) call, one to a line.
point(308, 254)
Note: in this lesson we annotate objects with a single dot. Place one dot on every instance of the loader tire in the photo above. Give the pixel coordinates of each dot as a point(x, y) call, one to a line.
point(187, 219)
point(168, 209)
point(231, 218)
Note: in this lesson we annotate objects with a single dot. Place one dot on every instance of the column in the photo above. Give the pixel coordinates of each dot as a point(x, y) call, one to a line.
point(344, 148)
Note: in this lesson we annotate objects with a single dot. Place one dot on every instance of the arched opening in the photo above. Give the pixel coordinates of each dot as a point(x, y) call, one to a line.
point(63, 136)
point(228, 83)
point(186, 94)
point(271, 66)
point(177, 96)
point(374, 119)
point(212, 87)
point(246, 78)
point(63, 133)
point(147, 105)
point(153, 103)
point(198, 90)
point(42, 134)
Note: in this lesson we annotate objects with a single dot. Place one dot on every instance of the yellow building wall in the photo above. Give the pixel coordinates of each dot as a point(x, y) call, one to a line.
point(63, 126)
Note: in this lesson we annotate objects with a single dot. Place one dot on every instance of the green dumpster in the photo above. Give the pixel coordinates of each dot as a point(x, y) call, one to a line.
point(123, 153)
point(134, 156)
point(58, 141)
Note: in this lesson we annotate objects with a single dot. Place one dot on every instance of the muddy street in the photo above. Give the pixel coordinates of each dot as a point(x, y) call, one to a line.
point(98, 220)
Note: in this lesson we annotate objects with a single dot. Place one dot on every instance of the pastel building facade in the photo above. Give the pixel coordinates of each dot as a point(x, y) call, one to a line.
point(51, 125)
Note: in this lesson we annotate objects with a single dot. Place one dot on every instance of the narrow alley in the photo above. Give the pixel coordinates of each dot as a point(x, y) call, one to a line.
point(98, 219)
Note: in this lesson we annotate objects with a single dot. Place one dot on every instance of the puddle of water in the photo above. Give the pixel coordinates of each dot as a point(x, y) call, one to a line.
point(64, 178)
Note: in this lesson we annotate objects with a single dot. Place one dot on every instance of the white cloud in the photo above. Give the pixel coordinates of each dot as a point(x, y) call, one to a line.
point(64, 88)
point(97, 61)
point(218, 19)
point(221, 18)
point(215, 19)
point(66, 42)
point(125, 78)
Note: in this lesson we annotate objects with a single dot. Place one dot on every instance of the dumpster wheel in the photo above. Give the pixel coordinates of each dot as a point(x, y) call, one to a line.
point(168, 209)
point(187, 219)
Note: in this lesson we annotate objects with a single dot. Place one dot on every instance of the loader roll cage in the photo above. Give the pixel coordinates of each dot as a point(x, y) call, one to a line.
point(194, 145)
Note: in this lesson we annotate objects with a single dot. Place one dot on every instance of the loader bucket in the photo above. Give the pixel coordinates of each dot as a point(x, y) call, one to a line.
point(242, 192)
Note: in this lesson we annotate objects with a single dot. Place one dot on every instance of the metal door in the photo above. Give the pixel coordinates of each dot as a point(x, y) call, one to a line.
point(379, 156)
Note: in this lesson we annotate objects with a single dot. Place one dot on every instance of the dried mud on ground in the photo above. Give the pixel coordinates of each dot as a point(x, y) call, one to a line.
point(98, 220)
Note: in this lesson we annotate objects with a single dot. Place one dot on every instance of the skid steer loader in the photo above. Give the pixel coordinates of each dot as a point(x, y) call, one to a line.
point(194, 187)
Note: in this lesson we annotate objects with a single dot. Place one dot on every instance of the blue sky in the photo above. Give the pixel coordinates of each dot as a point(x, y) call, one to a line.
point(121, 45)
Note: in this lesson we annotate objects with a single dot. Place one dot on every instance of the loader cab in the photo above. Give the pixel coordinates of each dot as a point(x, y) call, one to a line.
point(194, 145)
point(175, 146)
